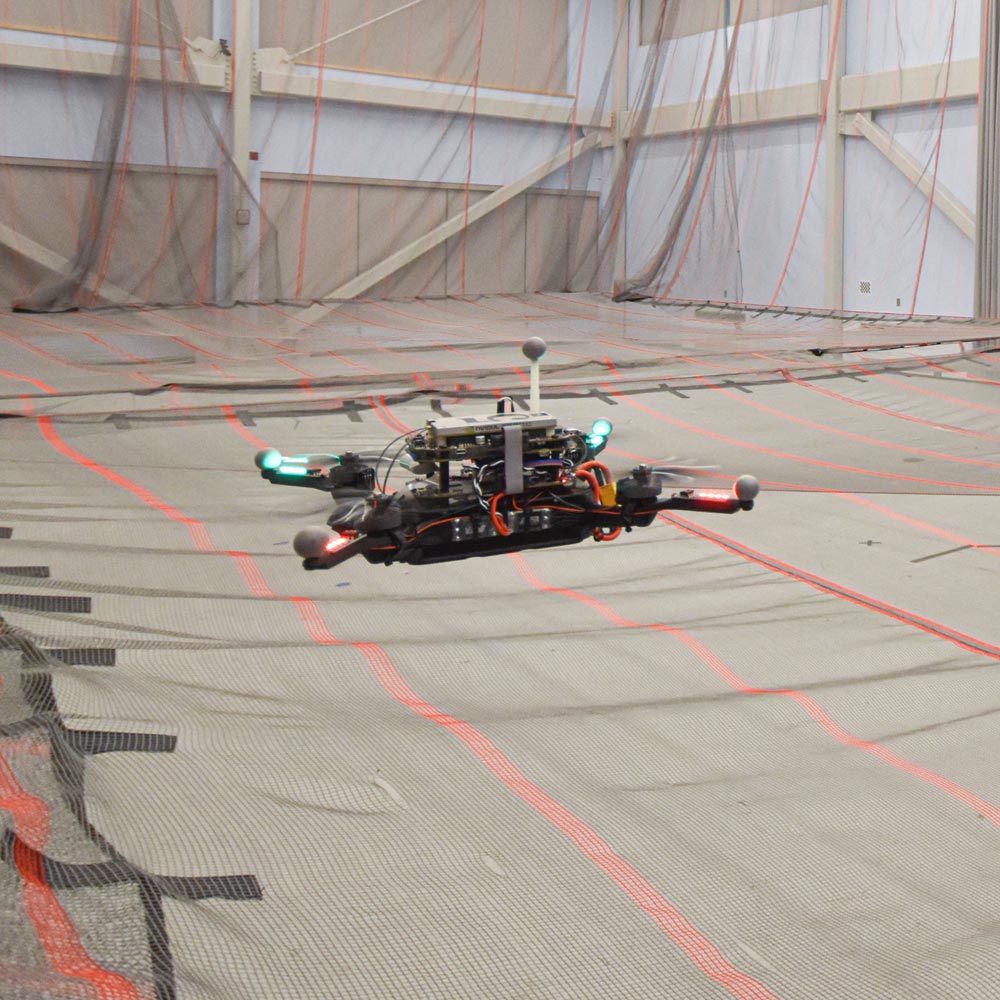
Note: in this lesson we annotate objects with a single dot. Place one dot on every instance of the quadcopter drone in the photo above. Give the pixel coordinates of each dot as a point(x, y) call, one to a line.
point(483, 486)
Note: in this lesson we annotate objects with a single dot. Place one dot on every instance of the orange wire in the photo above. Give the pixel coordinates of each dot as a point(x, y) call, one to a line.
point(600, 466)
point(497, 520)
point(582, 473)
point(601, 536)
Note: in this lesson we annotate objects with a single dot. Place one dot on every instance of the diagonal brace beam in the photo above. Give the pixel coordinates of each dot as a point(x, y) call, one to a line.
point(56, 263)
point(394, 262)
point(916, 173)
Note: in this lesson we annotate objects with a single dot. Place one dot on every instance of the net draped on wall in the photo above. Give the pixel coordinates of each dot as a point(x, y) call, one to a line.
point(809, 153)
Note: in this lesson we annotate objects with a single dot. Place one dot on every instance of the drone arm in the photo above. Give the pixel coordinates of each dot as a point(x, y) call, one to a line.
point(309, 479)
point(708, 501)
point(339, 550)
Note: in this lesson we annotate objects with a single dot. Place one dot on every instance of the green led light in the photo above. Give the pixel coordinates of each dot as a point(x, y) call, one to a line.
point(293, 470)
point(602, 428)
point(269, 458)
point(596, 440)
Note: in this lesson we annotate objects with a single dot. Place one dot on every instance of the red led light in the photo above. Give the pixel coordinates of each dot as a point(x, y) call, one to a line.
point(337, 542)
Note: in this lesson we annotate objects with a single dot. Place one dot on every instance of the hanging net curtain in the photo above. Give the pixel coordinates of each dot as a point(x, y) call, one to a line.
point(680, 152)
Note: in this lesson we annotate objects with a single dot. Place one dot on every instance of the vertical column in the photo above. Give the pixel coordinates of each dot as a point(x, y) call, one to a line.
point(987, 286)
point(619, 153)
point(242, 212)
point(834, 155)
point(236, 219)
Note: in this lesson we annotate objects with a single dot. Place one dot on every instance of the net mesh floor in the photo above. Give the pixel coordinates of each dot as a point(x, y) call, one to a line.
point(745, 756)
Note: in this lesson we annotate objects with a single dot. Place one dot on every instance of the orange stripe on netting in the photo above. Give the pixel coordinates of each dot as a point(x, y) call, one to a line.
point(699, 949)
point(884, 410)
point(311, 173)
point(14, 746)
point(312, 618)
point(960, 639)
point(931, 529)
point(937, 159)
point(27, 378)
point(48, 355)
point(381, 410)
point(198, 531)
point(967, 404)
point(405, 428)
point(288, 350)
point(823, 115)
point(850, 435)
point(237, 425)
point(34, 320)
point(298, 371)
point(967, 376)
point(472, 134)
point(251, 573)
point(896, 477)
point(816, 711)
point(69, 364)
point(57, 934)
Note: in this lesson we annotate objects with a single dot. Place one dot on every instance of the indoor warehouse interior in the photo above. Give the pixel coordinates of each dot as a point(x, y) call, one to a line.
point(631, 639)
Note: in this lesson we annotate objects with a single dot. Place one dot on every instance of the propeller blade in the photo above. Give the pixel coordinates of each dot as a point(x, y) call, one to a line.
point(682, 472)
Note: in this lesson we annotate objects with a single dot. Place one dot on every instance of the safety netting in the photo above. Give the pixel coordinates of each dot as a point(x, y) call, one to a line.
point(747, 756)
point(717, 757)
point(773, 152)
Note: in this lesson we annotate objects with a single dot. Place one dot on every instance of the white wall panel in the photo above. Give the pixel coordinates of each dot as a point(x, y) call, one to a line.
point(885, 35)
point(53, 117)
point(886, 218)
point(389, 144)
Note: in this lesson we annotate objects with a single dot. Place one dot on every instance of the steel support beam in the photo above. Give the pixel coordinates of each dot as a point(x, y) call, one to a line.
point(237, 221)
point(910, 86)
point(619, 155)
point(987, 284)
point(394, 262)
point(916, 173)
point(57, 264)
point(834, 143)
point(278, 78)
point(209, 66)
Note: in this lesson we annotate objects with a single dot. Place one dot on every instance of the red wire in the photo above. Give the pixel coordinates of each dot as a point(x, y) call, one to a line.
point(600, 466)
point(582, 473)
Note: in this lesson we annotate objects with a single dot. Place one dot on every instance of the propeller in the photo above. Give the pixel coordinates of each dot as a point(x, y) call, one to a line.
point(676, 470)
point(745, 487)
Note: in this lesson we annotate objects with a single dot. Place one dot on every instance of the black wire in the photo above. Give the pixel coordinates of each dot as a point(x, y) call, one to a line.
point(385, 451)
point(395, 458)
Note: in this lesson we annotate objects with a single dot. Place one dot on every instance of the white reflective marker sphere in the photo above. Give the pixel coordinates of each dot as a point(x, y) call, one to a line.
point(746, 488)
point(311, 543)
point(533, 348)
